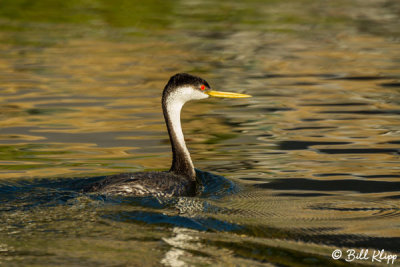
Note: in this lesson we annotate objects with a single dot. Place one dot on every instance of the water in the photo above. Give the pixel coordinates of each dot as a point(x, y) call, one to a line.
point(308, 165)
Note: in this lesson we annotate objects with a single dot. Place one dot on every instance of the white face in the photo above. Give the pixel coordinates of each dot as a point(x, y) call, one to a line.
point(184, 94)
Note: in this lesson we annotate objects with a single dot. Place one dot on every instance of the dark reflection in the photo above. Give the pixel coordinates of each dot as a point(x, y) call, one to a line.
point(311, 119)
point(364, 112)
point(363, 78)
point(359, 151)
point(309, 128)
point(335, 104)
point(361, 186)
point(267, 94)
point(394, 84)
point(331, 174)
point(328, 76)
point(201, 224)
point(393, 197)
point(263, 109)
point(302, 194)
point(300, 145)
point(252, 179)
point(305, 83)
point(379, 209)
point(272, 109)
point(272, 76)
point(380, 176)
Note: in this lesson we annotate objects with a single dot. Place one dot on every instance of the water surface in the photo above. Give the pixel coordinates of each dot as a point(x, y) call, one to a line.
point(307, 165)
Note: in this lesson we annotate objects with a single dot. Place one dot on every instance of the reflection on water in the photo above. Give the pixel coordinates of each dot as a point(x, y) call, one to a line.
point(311, 161)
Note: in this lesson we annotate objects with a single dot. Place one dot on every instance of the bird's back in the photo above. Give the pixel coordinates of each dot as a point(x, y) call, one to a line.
point(162, 184)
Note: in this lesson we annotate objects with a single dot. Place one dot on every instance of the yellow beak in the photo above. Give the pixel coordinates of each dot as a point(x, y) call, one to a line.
point(226, 94)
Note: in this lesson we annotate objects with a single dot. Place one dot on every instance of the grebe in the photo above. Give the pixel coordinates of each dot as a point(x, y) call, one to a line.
point(180, 180)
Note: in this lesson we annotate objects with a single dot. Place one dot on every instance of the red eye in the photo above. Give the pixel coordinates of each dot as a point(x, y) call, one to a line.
point(202, 87)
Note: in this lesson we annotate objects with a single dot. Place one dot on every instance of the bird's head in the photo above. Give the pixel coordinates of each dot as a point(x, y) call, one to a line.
point(183, 87)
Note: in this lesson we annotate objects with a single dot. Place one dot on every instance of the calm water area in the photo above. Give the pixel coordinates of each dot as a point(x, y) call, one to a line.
point(308, 165)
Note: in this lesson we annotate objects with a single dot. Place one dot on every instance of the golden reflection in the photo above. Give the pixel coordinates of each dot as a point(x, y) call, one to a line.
point(84, 105)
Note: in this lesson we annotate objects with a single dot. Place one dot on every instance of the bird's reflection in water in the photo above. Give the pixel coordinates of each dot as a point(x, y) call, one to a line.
point(182, 239)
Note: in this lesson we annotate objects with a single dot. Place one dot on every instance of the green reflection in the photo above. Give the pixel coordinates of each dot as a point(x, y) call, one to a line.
point(27, 152)
point(118, 13)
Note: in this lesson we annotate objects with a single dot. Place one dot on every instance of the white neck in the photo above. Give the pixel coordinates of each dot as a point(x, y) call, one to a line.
point(172, 111)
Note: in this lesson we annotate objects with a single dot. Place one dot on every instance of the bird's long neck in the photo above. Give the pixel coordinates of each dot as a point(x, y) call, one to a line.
point(181, 162)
